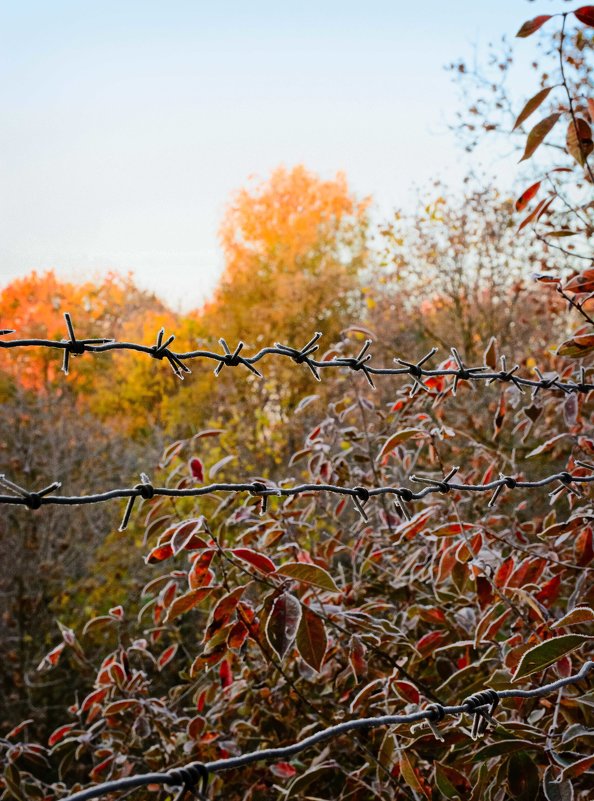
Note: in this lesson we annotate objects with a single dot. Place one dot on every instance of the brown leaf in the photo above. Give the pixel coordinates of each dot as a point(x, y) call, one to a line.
point(579, 140)
point(282, 624)
point(580, 614)
point(538, 133)
point(311, 638)
point(308, 574)
point(532, 25)
point(578, 346)
point(531, 106)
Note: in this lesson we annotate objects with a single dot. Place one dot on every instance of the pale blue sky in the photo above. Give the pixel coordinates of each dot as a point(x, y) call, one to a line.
point(126, 124)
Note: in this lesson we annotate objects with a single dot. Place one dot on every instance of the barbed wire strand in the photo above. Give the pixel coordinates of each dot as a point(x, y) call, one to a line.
point(360, 495)
point(480, 706)
point(416, 370)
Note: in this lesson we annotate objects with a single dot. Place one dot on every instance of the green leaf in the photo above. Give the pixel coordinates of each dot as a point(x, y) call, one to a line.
point(556, 790)
point(311, 638)
point(538, 133)
point(308, 574)
point(451, 783)
point(409, 775)
point(547, 653)
point(504, 747)
point(532, 105)
point(581, 614)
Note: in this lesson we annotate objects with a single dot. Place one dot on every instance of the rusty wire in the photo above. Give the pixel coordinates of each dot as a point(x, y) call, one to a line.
point(416, 370)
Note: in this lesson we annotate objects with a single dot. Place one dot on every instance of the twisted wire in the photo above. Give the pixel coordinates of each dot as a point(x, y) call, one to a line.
point(477, 705)
point(416, 370)
point(359, 495)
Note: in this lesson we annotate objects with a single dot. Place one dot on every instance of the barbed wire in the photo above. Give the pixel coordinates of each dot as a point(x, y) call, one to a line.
point(359, 495)
point(481, 706)
point(416, 370)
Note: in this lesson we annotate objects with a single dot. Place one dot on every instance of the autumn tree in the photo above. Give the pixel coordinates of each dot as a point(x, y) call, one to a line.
point(295, 248)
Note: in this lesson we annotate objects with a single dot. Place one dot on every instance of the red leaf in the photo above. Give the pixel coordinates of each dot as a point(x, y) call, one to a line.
point(101, 767)
point(120, 706)
point(195, 727)
point(167, 656)
point(282, 770)
point(51, 660)
point(60, 733)
point(503, 572)
point(225, 674)
point(530, 27)
point(18, 729)
point(357, 660)
point(583, 547)
point(222, 612)
point(197, 469)
point(407, 690)
point(549, 590)
point(429, 642)
point(585, 14)
point(535, 212)
point(257, 560)
point(527, 196)
point(93, 698)
point(528, 572)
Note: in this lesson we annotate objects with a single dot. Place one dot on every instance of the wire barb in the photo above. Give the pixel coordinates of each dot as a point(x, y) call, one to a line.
point(360, 363)
point(33, 500)
point(359, 495)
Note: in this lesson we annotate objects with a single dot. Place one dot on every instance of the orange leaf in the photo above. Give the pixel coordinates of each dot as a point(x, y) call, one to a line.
point(538, 133)
point(527, 196)
point(186, 602)
point(160, 553)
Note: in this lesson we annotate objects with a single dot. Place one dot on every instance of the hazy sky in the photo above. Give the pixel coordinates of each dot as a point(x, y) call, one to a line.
point(126, 124)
